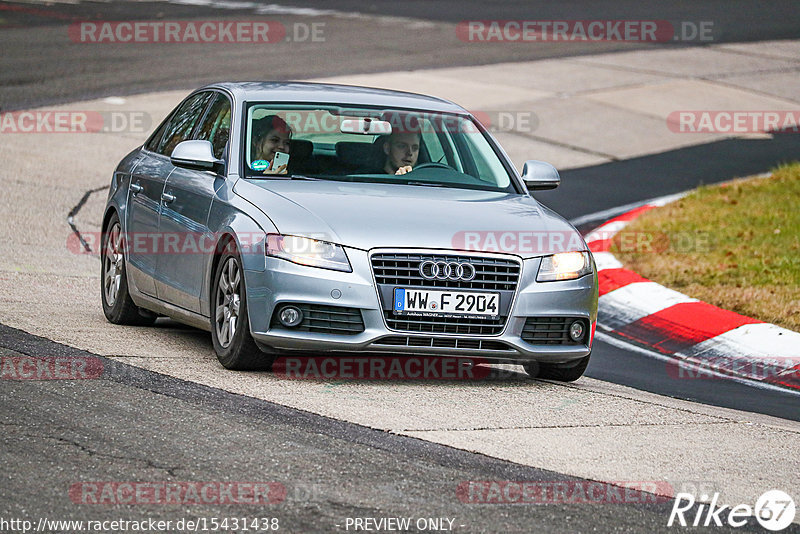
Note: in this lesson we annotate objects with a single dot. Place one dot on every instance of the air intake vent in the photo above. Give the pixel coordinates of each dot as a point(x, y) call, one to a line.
point(324, 319)
point(549, 330)
point(443, 342)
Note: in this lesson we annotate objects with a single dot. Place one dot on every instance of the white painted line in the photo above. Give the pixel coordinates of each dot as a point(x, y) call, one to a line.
point(663, 201)
point(279, 9)
point(751, 341)
point(634, 301)
point(624, 345)
point(613, 212)
point(606, 214)
point(606, 231)
point(606, 260)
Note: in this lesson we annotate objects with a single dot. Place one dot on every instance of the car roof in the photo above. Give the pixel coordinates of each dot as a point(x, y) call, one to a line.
point(335, 94)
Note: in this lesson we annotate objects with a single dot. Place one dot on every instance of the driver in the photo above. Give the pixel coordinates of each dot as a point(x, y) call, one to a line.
point(402, 151)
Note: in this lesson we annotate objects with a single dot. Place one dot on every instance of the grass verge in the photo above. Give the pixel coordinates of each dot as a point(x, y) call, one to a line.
point(736, 246)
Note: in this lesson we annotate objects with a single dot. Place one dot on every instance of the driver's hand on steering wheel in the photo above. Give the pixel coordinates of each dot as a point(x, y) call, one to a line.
point(404, 169)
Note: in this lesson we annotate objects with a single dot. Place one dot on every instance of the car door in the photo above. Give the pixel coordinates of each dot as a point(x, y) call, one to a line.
point(184, 214)
point(147, 186)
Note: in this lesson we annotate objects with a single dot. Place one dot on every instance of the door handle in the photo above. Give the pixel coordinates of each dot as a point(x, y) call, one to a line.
point(167, 198)
point(136, 188)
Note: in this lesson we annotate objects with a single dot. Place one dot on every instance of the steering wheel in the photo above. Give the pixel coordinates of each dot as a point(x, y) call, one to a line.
point(434, 164)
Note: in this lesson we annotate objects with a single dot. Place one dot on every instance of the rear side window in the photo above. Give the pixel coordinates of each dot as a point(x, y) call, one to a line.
point(216, 125)
point(180, 125)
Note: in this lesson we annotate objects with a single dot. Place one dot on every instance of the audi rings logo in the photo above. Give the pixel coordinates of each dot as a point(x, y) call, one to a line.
point(447, 270)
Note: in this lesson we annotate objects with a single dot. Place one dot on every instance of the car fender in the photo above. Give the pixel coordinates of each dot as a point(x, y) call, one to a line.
point(232, 216)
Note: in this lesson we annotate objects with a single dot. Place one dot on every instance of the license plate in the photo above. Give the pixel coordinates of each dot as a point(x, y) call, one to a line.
point(443, 303)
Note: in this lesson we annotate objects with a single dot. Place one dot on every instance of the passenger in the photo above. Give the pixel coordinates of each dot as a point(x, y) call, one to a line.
point(270, 134)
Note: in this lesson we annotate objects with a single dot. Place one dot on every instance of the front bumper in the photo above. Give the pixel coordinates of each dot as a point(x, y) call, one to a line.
point(286, 282)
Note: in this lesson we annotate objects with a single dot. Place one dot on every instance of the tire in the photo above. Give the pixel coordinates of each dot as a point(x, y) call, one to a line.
point(230, 327)
point(118, 306)
point(561, 372)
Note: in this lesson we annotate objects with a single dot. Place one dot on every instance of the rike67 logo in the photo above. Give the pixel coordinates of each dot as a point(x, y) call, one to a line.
point(774, 510)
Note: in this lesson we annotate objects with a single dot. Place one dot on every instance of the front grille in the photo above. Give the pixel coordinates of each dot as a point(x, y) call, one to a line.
point(324, 319)
point(443, 342)
point(393, 270)
point(549, 330)
point(444, 325)
point(402, 270)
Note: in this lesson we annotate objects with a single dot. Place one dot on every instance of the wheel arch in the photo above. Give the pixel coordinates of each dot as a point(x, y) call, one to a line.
point(110, 211)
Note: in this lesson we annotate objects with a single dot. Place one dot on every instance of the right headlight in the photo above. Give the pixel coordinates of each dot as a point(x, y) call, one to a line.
point(564, 266)
point(307, 251)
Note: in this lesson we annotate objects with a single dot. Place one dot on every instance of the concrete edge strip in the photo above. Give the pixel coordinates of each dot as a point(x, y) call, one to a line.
point(698, 337)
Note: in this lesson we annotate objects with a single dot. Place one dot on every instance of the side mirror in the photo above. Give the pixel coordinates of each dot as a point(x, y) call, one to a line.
point(539, 176)
point(198, 155)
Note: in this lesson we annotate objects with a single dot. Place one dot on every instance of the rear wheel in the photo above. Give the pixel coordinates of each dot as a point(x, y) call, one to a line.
point(118, 306)
point(561, 372)
point(230, 327)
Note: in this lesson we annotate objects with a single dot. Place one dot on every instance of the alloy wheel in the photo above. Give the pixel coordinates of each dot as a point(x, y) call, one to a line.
point(113, 262)
point(228, 301)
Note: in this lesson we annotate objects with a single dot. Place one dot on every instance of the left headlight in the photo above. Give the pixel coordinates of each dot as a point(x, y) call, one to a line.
point(564, 266)
point(306, 251)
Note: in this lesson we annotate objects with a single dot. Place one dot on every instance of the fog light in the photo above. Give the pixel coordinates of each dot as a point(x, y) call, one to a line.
point(576, 331)
point(290, 316)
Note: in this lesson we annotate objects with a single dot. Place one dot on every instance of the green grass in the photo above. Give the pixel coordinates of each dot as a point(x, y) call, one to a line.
point(736, 246)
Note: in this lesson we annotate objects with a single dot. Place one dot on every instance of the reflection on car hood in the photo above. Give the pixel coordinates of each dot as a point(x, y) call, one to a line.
point(367, 216)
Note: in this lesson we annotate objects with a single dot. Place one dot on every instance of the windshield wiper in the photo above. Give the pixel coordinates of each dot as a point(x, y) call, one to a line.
point(428, 184)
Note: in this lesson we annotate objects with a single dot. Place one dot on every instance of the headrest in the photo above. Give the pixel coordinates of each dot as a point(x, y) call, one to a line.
point(356, 153)
point(300, 149)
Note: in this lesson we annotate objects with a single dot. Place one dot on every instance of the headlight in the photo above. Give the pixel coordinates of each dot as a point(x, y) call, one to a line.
point(307, 251)
point(564, 266)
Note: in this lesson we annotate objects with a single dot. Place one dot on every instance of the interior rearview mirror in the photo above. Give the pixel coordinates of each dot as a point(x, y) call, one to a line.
point(365, 126)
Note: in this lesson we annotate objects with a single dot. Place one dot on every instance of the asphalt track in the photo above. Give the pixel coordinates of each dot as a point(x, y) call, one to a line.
point(58, 432)
point(95, 431)
point(40, 65)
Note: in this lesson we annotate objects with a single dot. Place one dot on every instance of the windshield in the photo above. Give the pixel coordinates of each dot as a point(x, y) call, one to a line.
point(356, 144)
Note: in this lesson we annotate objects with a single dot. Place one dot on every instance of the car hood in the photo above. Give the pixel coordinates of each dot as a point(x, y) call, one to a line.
point(367, 216)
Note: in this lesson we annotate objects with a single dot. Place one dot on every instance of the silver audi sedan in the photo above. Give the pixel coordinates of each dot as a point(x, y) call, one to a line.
point(299, 218)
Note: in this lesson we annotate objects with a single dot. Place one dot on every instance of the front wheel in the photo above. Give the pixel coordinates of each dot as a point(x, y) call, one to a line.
point(561, 372)
point(230, 327)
